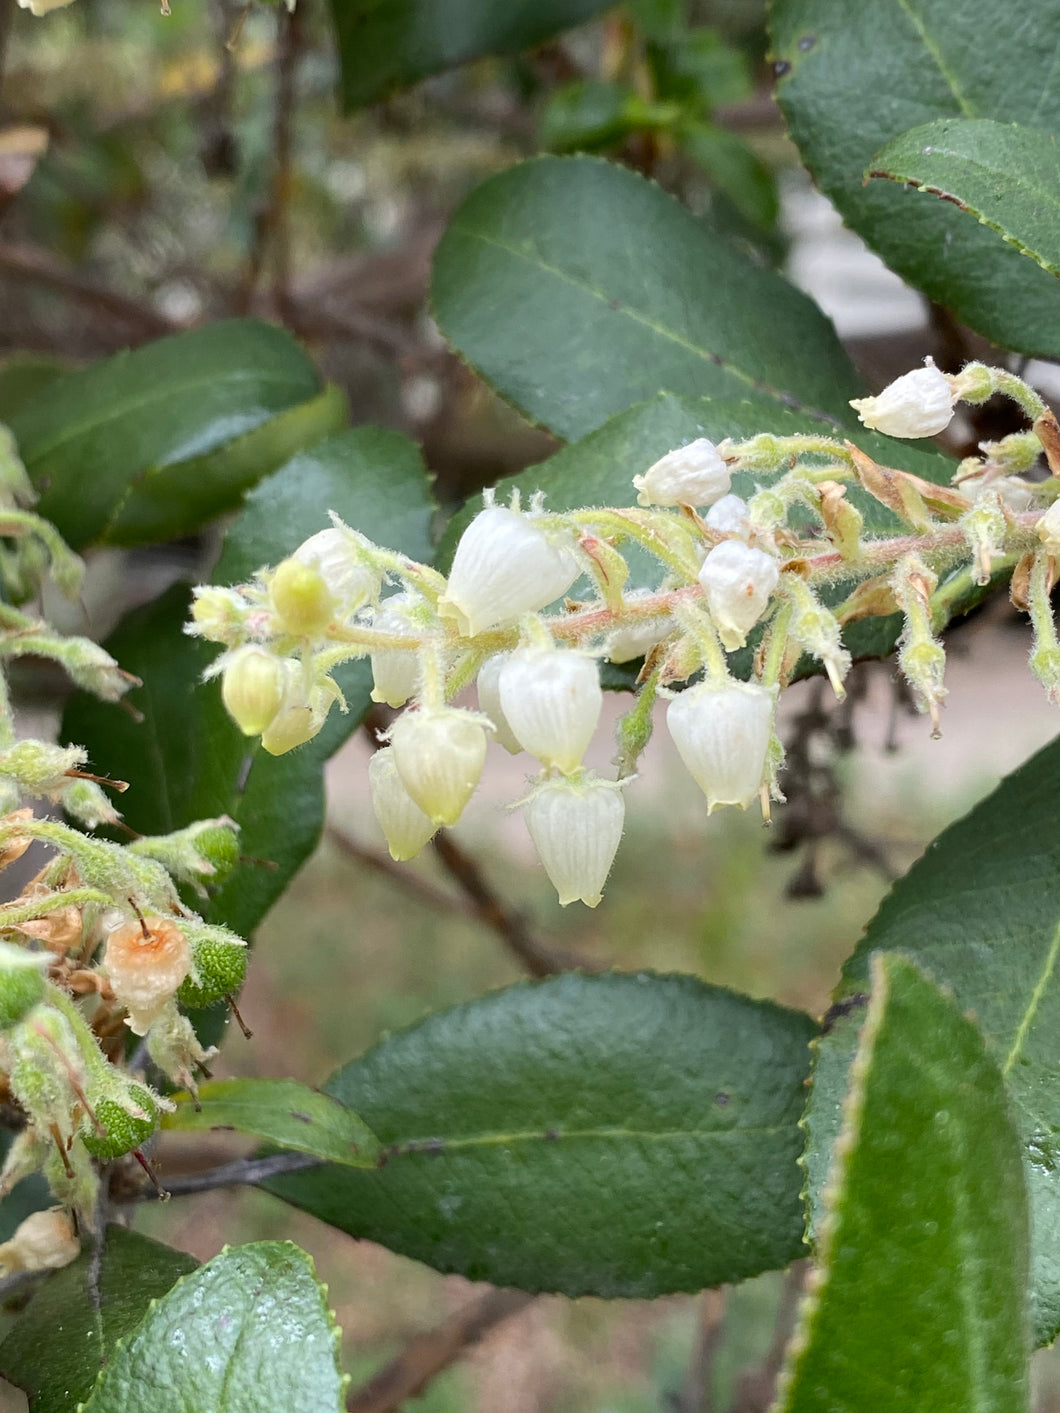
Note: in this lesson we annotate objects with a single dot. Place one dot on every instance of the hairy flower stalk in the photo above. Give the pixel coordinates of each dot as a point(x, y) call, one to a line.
point(763, 544)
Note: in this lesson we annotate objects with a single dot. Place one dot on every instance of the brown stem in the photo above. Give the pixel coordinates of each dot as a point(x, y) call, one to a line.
point(755, 1389)
point(242, 1172)
point(697, 1394)
point(539, 958)
point(479, 901)
point(424, 1357)
point(28, 263)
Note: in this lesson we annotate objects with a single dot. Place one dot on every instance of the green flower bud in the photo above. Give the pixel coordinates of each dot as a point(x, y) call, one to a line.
point(301, 599)
point(22, 983)
point(252, 689)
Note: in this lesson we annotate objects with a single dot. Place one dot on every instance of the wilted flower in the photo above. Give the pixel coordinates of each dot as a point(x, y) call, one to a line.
point(146, 960)
point(45, 1241)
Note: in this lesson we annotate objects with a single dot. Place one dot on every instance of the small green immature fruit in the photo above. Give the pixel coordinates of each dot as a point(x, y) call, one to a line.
point(219, 845)
point(252, 689)
point(125, 1130)
point(301, 599)
point(219, 961)
point(21, 983)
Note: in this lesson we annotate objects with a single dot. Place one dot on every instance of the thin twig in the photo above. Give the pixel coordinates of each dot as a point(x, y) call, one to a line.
point(403, 877)
point(697, 1394)
point(424, 1357)
point(479, 902)
point(243, 1172)
point(756, 1388)
point(538, 957)
point(29, 263)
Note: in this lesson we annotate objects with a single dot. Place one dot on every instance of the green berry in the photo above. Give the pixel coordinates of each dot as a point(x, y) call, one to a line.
point(124, 1130)
point(221, 968)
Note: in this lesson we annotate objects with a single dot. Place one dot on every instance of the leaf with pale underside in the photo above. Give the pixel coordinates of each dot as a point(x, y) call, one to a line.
point(1005, 175)
point(249, 1330)
point(919, 1300)
point(852, 77)
point(284, 1112)
point(980, 912)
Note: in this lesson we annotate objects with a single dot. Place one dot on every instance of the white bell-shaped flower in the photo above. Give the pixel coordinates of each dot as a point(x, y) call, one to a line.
point(406, 827)
point(637, 637)
point(918, 404)
point(489, 700)
point(692, 475)
point(738, 581)
point(252, 688)
point(551, 699)
point(576, 826)
point(439, 753)
point(1048, 528)
point(302, 712)
point(504, 566)
point(338, 555)
point(721, 731)
point(395, 671)
point(729, 517)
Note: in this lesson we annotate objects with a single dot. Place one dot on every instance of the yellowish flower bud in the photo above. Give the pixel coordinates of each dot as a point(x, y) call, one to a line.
point(301, 599)
point(406, 827)
point(252, 688)
point(439, 753)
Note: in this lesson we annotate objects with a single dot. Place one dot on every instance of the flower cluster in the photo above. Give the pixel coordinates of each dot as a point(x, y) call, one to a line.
point(99, 920)
point(534, 600)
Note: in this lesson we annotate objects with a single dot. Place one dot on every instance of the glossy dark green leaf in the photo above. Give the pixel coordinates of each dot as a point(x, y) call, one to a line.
point(610, 1135)
point(1005, 175)
point(187, 760)
point(981, 913)
point(69, 1330)
point(282, 1111)
point(386, 45)
point(124, 447)
point(249, 1330)
point(23, 376)
point(853, 77)
point(575, 288)
point(921, 1297)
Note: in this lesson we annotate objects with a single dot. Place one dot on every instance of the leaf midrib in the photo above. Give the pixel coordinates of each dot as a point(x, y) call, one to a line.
point(161, 392)
point(784, 396)
point(932, 48)
point(427, 1145)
